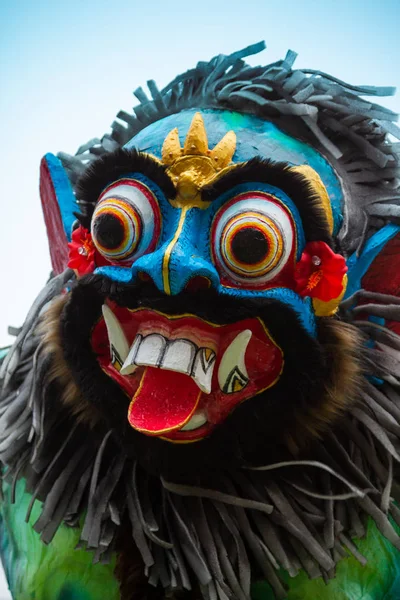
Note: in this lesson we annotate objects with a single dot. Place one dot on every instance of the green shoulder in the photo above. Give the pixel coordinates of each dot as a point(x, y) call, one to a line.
point(57, 571)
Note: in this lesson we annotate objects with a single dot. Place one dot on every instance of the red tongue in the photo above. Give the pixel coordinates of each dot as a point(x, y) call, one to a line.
point(163, 402)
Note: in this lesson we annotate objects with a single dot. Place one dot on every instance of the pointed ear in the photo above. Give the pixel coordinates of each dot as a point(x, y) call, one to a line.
point(58, 205)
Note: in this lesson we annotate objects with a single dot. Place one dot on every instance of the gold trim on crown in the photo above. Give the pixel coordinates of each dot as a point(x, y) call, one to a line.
point(195, 165)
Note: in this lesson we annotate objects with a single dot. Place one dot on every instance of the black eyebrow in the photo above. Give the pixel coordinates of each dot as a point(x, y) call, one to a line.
point(111, 167)
point(293, 184)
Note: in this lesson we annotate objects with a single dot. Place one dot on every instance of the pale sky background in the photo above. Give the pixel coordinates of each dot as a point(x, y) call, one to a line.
point(66, 69)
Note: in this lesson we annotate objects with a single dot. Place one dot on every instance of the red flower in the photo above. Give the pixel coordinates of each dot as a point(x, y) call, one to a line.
point(319, 272)
point(81, 251)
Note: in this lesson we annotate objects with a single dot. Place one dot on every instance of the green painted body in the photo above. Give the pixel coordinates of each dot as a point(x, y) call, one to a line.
point(54, 572)
point(61, 572)
point(379, 579)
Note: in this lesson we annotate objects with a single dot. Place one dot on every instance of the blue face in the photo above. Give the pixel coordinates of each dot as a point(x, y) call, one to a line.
point(255, 137)
point(195, 239)
point(191, 246)
point(205, 266)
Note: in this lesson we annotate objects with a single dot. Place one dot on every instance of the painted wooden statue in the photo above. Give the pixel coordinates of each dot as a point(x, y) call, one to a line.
point(203, 402)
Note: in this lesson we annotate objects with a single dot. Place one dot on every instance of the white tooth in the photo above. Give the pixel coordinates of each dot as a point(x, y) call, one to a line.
point(232, 373)
point(179, 356)
point(129, 365)
point(151, 350)
point(203, 369)
point(116, 334)
point(198, 419)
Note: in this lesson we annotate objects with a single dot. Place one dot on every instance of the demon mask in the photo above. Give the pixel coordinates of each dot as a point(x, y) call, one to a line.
point(202, 323)
point(193, 373)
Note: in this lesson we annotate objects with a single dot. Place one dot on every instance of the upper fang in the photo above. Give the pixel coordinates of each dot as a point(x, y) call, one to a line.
point(119, 346)
point(232, 372)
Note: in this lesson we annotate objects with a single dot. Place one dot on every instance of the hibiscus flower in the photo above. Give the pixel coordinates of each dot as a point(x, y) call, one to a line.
point(319, 272)
point(81, 251)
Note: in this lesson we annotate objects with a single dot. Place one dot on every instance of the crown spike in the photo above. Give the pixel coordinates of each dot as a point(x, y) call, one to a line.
point(196, 140)
point(223, 152)
point(171, 149)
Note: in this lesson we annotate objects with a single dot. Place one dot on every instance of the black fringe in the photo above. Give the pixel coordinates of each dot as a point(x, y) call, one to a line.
point(295, 515)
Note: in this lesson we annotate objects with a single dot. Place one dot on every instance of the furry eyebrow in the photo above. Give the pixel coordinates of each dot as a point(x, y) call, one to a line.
point(293, 184)
point(112, 166)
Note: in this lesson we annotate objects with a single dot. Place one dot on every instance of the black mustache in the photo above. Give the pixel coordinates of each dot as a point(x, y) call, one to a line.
point(93, 290)
point(205, 304)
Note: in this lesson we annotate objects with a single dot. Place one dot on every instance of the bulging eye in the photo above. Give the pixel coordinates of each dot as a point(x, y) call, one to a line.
point(126, 221)
point(252, 238)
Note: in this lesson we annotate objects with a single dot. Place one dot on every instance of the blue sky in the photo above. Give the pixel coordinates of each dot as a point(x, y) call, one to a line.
point(67, 68)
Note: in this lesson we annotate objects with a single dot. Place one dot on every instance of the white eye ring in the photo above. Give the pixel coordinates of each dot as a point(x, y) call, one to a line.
point(260, 219)
point(132, 210)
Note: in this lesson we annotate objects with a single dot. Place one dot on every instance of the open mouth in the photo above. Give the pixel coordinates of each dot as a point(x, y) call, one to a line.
point(182, 374)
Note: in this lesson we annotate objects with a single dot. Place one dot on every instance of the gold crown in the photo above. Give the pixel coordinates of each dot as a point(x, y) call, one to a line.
point(195, 165)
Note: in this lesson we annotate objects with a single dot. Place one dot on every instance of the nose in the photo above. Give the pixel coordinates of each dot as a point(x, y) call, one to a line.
point(174, 269)
point(183, 258)
point(150, 268)
point(186, 269)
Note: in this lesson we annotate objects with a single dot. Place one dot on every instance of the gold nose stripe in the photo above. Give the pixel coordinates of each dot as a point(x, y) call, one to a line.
point(168, 251)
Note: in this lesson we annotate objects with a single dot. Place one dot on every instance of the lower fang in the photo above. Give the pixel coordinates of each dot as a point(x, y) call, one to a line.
point(195, 422)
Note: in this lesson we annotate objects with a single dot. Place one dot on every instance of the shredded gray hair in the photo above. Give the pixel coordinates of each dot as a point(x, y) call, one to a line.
point(298, 514)
point(350, 131)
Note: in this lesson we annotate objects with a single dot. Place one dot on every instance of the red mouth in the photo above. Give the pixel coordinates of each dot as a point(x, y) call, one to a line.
point(183, 375)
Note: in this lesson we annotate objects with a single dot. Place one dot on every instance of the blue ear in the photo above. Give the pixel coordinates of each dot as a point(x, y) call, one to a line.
point(58, 204)
point(359, 265)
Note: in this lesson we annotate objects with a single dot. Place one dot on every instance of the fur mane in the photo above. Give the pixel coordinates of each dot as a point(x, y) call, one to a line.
point(297, 514)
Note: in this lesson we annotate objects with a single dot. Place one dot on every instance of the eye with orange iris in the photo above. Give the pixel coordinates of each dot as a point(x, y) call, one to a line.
point(252, 238)
point(126, 221)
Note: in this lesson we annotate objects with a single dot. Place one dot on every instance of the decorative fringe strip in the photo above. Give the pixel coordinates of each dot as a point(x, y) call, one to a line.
point(354, 133)
point(294, 515)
